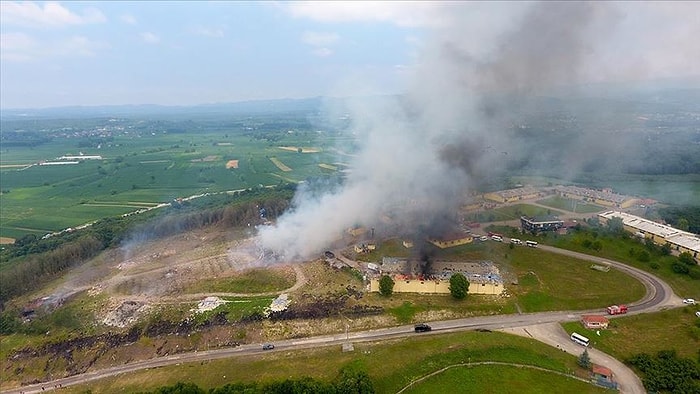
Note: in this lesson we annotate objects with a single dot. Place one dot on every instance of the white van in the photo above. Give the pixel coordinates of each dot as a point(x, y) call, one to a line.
point(496, 238)
point(516, 241)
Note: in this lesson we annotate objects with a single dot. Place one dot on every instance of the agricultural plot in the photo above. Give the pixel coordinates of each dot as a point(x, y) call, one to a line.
point(154, 167)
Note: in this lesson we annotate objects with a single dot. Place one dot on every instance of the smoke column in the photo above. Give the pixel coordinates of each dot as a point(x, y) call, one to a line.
point(425, 150)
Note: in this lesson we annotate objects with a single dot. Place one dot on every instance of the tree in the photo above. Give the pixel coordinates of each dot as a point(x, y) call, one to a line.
point(386, 285)
point(584, 360)
point(459, 286)
point(615, 225)
point(686, 258)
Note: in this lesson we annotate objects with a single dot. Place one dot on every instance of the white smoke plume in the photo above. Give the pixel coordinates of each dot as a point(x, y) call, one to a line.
point(424, 151)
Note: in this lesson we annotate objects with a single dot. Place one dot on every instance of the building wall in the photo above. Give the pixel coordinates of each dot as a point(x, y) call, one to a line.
point(494, 197)
point(436, 287)
point(448, 244)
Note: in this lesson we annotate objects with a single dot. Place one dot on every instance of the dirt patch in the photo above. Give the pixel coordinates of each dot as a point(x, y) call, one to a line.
point(6, 241)
point(126, 314)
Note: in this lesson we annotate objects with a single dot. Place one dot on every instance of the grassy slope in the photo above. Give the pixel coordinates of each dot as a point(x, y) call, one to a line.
point(391, 365)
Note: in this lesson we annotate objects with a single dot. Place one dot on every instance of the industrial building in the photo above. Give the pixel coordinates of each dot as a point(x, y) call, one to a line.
point(512, 195)
point(604, 197)
point(537, 225)
point(483, 276)
point(661, 234)
point(450, 240)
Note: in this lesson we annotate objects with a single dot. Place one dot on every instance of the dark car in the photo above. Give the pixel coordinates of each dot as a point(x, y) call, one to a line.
point(422, 327)
point(268, 346)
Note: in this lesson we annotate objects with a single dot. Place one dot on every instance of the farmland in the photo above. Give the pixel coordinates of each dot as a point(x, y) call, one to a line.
point(143, 164)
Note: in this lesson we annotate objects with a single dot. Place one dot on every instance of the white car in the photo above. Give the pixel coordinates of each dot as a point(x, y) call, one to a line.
point(689, 301)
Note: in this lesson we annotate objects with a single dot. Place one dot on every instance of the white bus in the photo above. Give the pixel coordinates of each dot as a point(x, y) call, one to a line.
point(580, 339)
point(531, 244)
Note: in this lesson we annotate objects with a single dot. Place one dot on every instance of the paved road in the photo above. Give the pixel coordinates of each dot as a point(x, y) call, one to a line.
point(541, 326)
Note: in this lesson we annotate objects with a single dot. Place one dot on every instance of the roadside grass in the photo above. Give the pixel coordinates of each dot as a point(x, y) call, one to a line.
point(675, 329)
point(571, 205)
point(478, 379)
point(405, 312)
point(619, 250)
point(257, 280)
point(390, 364)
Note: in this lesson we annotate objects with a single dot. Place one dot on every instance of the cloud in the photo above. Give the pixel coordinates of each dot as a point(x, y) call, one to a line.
point(322, 52)
point(405, 14)
point(319, 39)
point(21, 47)
point(128, 19)
point(214, 32)
point(51, 15)
point(150, 38)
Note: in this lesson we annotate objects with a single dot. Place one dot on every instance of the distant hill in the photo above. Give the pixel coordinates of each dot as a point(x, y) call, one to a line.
point(238, 108)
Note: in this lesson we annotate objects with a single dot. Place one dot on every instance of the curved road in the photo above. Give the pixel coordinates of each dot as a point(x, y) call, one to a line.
point(541, 326)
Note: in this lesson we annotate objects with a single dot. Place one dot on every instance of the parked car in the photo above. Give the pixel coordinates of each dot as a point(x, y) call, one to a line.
point(422, 327)
point(268, 346)
point(689, 301)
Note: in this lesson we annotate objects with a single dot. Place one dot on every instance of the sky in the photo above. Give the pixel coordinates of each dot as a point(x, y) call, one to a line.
point(185, 53)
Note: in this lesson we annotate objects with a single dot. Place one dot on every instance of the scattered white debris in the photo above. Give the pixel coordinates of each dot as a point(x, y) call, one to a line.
point(279, 304)
point(126, 314)
point(209, 304)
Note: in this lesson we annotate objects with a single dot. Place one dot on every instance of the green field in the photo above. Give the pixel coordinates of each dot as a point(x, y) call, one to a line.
point(571, 205)
point(510, 212)
point(619, 250)
point(250, 281)
point(150, 169)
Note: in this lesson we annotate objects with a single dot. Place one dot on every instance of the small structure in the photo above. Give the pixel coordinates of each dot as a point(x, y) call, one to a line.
point(365, 248)
point(593, 322)
point(357, 231)
point(603, 376)
point(407, 243)
point(450, 240)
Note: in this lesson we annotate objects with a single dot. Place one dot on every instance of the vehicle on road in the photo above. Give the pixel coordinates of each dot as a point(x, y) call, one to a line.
point(516, 241)
point(268, 346)
point(531, 244)
point(422, 327)
point(483, 238)
point(617, 309)
point(689, 301)
point(497, 238)
point(580, 339)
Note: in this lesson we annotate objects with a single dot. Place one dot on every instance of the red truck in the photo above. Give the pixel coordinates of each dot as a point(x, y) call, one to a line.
point(617, 309)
